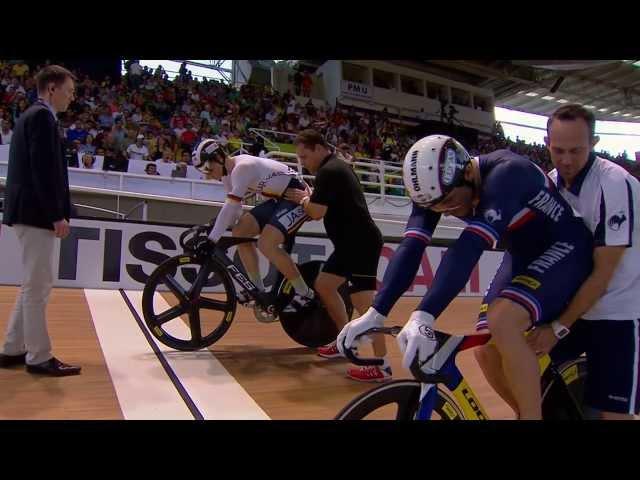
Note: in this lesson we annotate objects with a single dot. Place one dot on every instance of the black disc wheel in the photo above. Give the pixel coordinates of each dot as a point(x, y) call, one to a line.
point(311, 326)
point(188, 304)
point(398, 400)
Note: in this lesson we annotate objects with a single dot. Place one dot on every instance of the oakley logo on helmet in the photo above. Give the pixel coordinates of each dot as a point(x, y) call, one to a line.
point(449, 167)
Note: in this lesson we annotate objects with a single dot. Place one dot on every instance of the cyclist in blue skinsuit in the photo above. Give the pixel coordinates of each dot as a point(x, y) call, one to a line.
point(502, 197)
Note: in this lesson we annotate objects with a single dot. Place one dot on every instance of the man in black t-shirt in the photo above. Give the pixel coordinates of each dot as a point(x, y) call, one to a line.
point(337, 197)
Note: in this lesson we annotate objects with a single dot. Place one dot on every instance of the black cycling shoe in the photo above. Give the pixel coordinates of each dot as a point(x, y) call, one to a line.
point(299, 302)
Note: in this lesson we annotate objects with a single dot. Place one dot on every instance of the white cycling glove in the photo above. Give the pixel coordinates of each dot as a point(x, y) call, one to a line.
point(351, 330)
point(417, 338)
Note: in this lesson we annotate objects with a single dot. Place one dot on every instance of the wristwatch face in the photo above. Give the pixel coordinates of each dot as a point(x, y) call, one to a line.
point(560, 330)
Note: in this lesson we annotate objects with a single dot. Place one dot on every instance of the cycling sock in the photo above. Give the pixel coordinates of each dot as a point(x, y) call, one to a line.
point(256, 279)
point(301, 287)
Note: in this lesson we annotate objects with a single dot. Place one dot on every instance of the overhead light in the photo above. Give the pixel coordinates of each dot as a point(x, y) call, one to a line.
point(532, 94)
point(590, 107)
point(521, 92)
point(562, 100)
point(603, 109)
point(548, 97)
point(615, 113)
point(637, 116)
point(626, 115)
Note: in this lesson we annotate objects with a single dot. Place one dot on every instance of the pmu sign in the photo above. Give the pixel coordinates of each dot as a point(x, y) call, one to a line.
point(103, 254)
point(356, 89)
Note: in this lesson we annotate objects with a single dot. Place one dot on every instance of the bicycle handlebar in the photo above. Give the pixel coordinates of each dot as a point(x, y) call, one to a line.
point(393, 331)
point(415, 369)
point(196, 231)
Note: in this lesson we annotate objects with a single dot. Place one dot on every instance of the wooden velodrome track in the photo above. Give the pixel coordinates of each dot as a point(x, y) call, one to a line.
point(255, 366)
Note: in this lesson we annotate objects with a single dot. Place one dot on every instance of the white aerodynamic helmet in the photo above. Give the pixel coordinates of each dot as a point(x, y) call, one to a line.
point(433, 167)
point(205, 154)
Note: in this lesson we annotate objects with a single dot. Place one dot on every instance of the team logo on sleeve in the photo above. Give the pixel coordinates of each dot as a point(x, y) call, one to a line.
point(616, 221)
point(492, 215)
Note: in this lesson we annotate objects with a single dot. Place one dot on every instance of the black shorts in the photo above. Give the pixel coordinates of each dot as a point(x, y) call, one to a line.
point(612, 362)
point(286, 216)
point(358, 264)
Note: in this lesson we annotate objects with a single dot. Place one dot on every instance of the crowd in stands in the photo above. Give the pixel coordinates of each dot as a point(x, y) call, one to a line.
point(146, 116)
point(108, 117)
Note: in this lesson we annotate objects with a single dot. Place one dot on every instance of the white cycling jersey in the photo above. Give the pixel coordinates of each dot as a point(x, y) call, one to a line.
point(264, 176)
point(250, 174)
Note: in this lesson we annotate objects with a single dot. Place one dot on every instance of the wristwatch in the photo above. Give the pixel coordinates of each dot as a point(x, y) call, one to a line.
point(559, 330)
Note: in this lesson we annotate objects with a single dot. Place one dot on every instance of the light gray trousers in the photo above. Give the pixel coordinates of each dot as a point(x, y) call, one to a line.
point(27, 329)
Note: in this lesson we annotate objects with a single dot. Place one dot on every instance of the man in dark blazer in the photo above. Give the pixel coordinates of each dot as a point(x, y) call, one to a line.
point(38, 207)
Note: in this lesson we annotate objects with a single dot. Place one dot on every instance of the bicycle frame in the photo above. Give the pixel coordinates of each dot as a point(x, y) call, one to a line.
point(220, 256)
point(446, 372)
point(462, 391)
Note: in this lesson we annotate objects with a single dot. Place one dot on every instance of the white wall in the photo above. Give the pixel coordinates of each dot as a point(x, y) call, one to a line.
point(89, 261)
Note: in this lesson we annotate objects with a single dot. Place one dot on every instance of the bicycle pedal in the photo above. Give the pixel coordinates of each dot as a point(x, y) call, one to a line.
point(263, 316)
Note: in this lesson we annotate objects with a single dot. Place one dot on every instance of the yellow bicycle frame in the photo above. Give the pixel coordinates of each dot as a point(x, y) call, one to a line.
point(470, 404)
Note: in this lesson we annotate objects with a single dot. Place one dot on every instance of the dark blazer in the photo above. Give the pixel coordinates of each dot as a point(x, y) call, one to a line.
point(37, 189)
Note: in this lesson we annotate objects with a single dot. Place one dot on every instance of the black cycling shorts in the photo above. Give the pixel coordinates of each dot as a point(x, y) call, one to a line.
point(357, 264)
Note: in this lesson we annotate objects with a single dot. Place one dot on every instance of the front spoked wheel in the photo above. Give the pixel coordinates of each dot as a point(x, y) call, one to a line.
point(188, 303)
point(398, 400)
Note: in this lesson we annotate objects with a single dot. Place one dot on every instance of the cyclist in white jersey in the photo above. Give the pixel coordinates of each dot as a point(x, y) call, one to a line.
point(276, 220)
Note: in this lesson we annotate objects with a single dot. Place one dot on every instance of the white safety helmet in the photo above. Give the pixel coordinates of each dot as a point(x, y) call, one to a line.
point(205, 155)
point(434, 166)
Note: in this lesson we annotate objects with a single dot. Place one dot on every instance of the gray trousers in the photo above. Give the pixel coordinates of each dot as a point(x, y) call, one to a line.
point(27, 329)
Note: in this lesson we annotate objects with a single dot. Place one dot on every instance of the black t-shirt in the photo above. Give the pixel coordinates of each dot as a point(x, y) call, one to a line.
point(347, 221)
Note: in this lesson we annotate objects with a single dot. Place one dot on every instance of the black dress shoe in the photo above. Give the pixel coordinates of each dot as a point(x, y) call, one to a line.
point(7, 361)
point(54, 368)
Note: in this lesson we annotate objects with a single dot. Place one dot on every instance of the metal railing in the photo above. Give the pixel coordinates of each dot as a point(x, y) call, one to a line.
point(117, 213)
point(270, 144)
point(376, 176)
